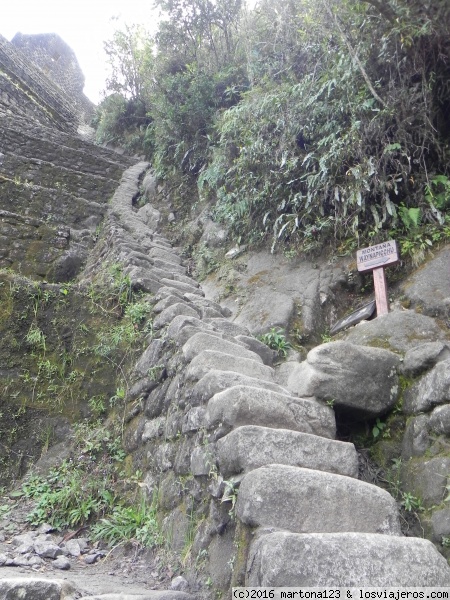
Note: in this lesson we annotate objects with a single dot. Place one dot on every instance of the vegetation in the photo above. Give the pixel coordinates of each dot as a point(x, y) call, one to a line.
point(301, 122)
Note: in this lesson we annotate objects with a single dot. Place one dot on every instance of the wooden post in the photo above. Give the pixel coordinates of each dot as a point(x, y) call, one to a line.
point(376, 259)
point(381, 294)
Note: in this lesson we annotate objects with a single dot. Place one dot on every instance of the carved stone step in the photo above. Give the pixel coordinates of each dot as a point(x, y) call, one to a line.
point(307, 501)
point(250, 447)
point(242, 405)
point(210, 359)
point(204, 341)
point(344, 559)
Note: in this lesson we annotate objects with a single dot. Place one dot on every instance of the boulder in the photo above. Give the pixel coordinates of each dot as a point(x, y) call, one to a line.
point(37, 588)
point(429, 287)
point(355, 379)
point(399, 330)
point(426, 479)
point(416, 439)
point(250, 447)
point(439, 421)
point(307, 501)
point(175, 310)
point(431, 390)
point(424, 357)
point(333, 560)
point(242, 405)
point(266, 310)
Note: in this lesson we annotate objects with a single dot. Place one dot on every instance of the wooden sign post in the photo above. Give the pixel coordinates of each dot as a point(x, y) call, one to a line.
point(376, 258)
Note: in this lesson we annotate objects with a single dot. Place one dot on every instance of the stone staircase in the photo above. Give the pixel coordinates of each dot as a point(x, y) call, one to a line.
point(54, 193)
point(311, 521)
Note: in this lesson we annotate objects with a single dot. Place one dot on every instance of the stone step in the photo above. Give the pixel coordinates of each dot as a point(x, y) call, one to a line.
point(192, 288)
point(306, 501)
point(83, 157)
point(172, 311)
point(241, 405)
point(250, 447)
point(63, 207)
point(344, 560)
point(210, 359)
point(216, 380)
point(204, 341)
point(48, 175)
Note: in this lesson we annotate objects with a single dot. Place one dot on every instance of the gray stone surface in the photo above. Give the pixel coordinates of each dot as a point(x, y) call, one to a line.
point(209, 359)
point(47, 549)
point(416, 439)
point(250, 447)
point(429, 287)
point(345, 559)
point(426, 479)
point(440, 420)
point(145, 595)
point(431, 390)
point(227, 327)
point(35, 588)
point(399, 331)
point(240, 405)
point(263, 311)
point(440, 524)
point(267, 355)
point(205, 341)
point(215, 381)
point(169, 313)
point(308, 501)
point(362, 380)
point(424, 357)
point(150, 215)
point(184, 288)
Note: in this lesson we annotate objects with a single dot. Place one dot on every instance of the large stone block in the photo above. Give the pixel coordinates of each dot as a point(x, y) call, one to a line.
point(241, 405)
point(215, 381)
point(307, 501)
point(37, 588)
point(345, 559)
point(205, 341)
point(431, 390)
point(210, 359)
point(356, 379)
point(250, 447)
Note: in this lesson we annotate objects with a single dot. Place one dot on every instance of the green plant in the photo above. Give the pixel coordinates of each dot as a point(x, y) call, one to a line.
point(36, 338)
point(445, 541)
point(411, 503)
point(276, 340)
point(127, 523)
point(230, 494)
point(97, 405)
point(378, 428)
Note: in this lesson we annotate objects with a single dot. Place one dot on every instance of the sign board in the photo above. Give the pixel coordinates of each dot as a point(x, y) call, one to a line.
point(373, 257)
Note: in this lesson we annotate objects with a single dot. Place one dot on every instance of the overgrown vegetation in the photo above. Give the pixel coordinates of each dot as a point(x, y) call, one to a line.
point(303, 123)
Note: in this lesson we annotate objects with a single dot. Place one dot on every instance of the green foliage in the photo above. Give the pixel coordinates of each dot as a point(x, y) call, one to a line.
point(36, 338)
point(127, 523)
point(276, 340)
point(378, 428)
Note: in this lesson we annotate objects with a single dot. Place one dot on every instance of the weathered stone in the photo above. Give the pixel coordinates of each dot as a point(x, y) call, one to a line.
point(424, 357)
point(141, 280)
point(431, 390)
point(194, 419)
point(250, 447)
point(426, 479)
point(184, 287)
point(47, 549)
point(207, 302)
point(398, 331)
point(143, 386)
point(345, 559)
point(165, 303)
point(180, 584)
point(217, 381)
point(150, 216)
point(61, 563)
point(210, 359)
point(23, 538)
point(169, 314)
point(181, 321)
point(146, 595)
point(429, 287)
point(149, 359)
point(356, 379)
point(241, 405)
point(228, 327)
point(267, 355)
point(37, 588)
point(440, 524)
point(73, 548)
point(164, 254)
point(205, 341)
point(201, 461)
point(416, 439)
point(263, 311)
point(439, 420)
point(153, 429)
point(307, 501)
